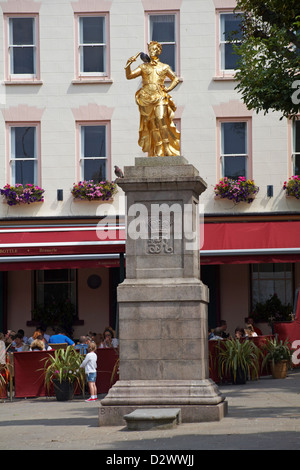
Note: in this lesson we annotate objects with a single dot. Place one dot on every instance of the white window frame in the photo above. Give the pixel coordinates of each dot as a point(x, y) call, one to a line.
point(80, 46)
point(12, 46)
point(245, 155)
point(175, 43)
point(223, 43)
point(12, 158)
point(82, 158)
point(294, 153)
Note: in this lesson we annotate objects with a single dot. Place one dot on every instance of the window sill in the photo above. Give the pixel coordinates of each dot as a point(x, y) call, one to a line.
point(225, 78)
point(94, 80)
point(23, 82)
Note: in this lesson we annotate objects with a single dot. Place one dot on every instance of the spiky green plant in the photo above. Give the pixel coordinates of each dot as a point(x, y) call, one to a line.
point(64, 365)
point(238, 355)
point(276, 351)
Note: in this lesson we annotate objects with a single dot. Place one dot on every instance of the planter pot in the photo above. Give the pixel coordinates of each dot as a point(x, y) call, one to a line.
point(240, 378)
point(288, 196)
point(279, 370)
point(63, 391)
point(219, 198)
point(98, 201)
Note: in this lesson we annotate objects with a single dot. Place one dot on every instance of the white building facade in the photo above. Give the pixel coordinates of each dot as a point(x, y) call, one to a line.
point(68, 114)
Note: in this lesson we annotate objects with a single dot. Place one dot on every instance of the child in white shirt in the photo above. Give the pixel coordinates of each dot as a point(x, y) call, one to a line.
point(90, 366)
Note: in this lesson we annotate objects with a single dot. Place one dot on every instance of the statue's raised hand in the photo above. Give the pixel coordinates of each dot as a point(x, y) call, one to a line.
point(132, 59)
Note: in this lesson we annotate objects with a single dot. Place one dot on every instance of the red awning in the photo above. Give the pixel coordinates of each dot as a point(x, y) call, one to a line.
point(40, 247)
point(251, 242)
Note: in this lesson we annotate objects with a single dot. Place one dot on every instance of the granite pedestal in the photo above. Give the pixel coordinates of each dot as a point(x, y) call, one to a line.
point(162, 302)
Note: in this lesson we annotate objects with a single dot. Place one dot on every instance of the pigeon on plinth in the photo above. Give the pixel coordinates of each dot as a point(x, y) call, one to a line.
point(118, 172)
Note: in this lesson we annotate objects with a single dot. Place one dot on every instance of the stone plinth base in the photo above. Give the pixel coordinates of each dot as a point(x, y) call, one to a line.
point(162, 302)
point(114, 415)
point(199, 400)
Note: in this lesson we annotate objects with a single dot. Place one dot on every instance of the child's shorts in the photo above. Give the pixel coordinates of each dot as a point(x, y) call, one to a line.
point(91, 377)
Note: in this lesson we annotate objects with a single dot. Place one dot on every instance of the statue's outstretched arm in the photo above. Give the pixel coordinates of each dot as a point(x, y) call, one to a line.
point(128, 72)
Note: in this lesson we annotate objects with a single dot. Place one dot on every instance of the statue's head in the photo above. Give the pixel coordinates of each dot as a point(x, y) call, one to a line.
point(154, 48)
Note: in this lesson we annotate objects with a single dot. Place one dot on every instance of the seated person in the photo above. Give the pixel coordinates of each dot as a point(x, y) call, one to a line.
point(60, 337)
point(99, 339)
point(239, 333)
point(109, 340)
point(9, 338)
point(221, 330)
point(42, 330)
point(37, 345)
point(19, 344)
point(250, 321)
point(83, 344)
point(39, 341)
point(22, 333)
point(211, 335)
point(249, 331)
point(37, 333)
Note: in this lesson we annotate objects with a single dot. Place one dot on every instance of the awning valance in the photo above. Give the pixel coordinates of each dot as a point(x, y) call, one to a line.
point(251, 242)
point(40, 247)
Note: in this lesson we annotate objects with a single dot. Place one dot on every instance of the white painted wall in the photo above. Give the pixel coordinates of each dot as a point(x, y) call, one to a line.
point(196, 95)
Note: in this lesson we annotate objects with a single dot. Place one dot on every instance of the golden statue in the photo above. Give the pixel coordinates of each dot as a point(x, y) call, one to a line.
point(157, 134)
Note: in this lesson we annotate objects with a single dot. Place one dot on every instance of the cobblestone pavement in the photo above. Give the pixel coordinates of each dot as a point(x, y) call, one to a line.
point(263, 414)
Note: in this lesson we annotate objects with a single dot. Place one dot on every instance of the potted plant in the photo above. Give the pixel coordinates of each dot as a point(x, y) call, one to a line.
point(277, 355)
point(19, 194)
point(292, 187)
point(239, 359)
point(62, 369)
point(91, 191)
point(240, 190)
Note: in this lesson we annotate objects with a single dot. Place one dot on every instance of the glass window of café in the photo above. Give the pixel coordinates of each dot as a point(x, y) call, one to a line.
point(268, 279)
point(55, 292)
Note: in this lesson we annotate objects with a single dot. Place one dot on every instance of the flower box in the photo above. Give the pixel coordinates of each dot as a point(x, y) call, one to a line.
point(91, 191)
point(240, 190)
point(292, 187)
point(19, 194)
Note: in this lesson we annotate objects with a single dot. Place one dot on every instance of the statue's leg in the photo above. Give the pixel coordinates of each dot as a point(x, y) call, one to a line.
point(160, 122)
point(157, 147)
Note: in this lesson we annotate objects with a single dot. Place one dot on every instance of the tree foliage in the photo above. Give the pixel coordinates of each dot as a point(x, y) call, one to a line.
point(268, 46)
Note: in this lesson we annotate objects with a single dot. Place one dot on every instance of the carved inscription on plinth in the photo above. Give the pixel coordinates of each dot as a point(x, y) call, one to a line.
point(161, 232)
